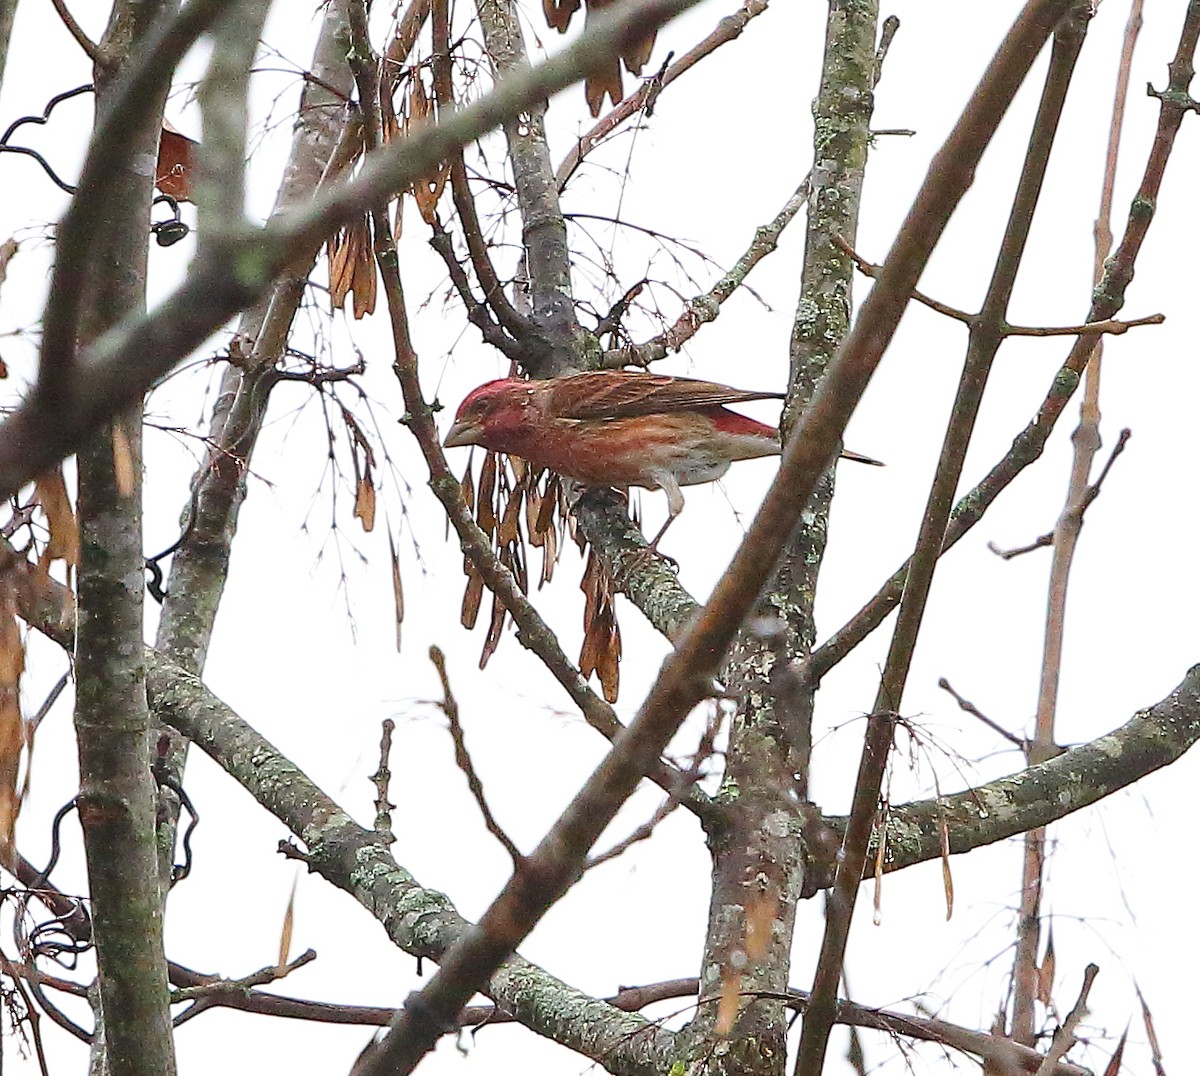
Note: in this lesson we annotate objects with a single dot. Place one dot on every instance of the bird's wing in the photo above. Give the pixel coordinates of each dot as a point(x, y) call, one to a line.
point(624, 394)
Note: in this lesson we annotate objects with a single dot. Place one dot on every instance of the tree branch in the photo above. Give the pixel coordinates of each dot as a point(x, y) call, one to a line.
point(420, 921)
point(686, 675)
point(1107, 298)
point(115, 369)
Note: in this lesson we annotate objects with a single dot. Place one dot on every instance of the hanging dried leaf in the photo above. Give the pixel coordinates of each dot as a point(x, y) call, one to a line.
point(364, 502)
point(601, 653)
point(559, 12)
point(607, 81)
point(468, 488)
point(1045, 973)
point(494, 629)
point(397, 587)
point(545, 526)
point(12, 728)
point(176, 160)
point(533, 506)
point(428, 189)
point(123, 474)
point(510, 524)
point(352, 268)
point(471, 597)
point(947, 877)
point(289, 922)
point(50, 491)
point(485, 513)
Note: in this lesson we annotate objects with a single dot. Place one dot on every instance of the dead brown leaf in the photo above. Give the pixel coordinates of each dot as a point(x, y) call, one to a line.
point(947, 877)
point(1113, 1068)
point(1148, 1020)
point(176, 159)
point(364, 502)
point(8, 250)
point(1045, 973)
point(289, 922)
point(601, 652)
point(50, 491)
point(397, 587)
point(352, 268)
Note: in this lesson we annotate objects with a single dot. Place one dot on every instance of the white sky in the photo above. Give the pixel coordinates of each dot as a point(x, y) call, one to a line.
point(725, 148)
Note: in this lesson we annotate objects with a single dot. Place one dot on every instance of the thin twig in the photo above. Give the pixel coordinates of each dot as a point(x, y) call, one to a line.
point(1107, 299)
point(1090, 494)
point(1064, 1037)
point(1110, 326)
point(970, 708)
point(462, 759)
point(706, 307)
point(1086, 443)
point(981, 351)
point(687, 780)
point(381, 778)
point(94, 52)
point(116, 369)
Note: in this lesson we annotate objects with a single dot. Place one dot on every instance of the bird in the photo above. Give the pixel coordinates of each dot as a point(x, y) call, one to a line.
point(620, 428)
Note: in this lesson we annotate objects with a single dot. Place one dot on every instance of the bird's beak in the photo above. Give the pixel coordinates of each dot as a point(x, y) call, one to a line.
point(463, 432)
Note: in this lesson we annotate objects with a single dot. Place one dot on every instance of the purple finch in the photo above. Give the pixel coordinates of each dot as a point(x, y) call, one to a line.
point(619, 428)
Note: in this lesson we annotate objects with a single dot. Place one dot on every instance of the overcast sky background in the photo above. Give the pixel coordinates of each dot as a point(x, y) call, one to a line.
point(305, 652)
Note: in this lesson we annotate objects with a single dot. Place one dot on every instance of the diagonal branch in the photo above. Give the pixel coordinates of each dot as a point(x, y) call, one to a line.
point(686, 675)
point(984, 343)
point(1107, 298)
point(728, 29)
point(78, 396)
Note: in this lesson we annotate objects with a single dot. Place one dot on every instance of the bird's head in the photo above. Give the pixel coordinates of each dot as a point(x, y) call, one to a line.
point(490, 413)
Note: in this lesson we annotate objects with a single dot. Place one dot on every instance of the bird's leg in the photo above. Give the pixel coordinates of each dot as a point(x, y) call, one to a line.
point(670, 487)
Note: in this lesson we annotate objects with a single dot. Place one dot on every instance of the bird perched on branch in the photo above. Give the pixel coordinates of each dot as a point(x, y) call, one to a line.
point(620, 428)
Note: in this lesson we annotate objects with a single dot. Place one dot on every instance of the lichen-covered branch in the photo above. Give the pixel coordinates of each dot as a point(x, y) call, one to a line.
point(421, 921)
point(1153, 738)
point(117, 800)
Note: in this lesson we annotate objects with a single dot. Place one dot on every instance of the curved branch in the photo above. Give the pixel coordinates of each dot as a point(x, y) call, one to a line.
point(1153, 738)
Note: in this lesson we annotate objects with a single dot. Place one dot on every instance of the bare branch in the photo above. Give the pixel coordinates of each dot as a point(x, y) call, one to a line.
point(463, 759)
point(982, 349)
point(685, 677)
point(705, 308)
point(1111, 326)
point(90, 48)
point(1064, 1037)
point(1038, 795)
